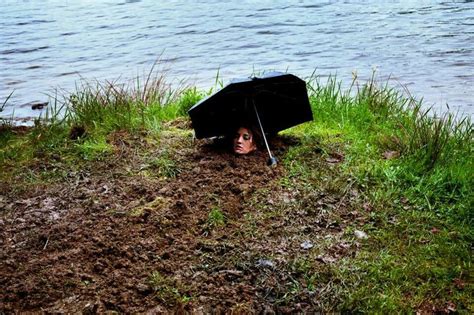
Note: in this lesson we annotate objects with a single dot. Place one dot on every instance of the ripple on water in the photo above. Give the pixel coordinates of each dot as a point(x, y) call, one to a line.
point(33, 67)
point(34, 22)
point(61, 39)
point(22, 50)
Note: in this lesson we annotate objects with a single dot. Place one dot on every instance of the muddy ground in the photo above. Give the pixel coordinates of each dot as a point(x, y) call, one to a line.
point(127, 234)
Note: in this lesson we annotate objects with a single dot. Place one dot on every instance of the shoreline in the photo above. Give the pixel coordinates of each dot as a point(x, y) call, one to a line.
point(31, 110)
point(116, 207)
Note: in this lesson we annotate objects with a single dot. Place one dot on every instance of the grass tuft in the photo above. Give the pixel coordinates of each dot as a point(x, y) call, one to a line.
point(372, 154)
point(216, 218)
point(412, 172)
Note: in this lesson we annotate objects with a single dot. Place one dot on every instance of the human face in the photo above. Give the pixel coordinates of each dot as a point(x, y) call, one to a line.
point(243, 141)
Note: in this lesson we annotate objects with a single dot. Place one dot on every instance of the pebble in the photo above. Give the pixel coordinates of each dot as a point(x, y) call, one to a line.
point(360, 235)
point(306, 245)
point(265, 263)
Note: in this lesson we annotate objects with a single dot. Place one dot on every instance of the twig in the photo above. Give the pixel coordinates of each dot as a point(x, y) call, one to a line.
point(46, 244)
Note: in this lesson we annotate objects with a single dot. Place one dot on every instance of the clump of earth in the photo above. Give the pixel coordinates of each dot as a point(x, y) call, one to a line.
point(214, 232)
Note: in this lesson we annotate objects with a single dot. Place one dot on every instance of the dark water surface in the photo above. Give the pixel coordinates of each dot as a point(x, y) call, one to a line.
point(425, 45)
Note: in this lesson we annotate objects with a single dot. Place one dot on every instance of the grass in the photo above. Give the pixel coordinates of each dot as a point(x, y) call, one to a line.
point(216, 218)
point(78, 126)
point(165, 165)
point(420, 202)
point(406, 171)
point(166, 290)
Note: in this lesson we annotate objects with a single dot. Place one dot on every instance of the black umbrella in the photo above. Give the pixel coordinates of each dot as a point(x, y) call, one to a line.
point(276, 101)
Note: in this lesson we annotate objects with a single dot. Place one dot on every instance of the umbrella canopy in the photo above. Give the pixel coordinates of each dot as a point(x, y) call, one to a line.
point(278, 100)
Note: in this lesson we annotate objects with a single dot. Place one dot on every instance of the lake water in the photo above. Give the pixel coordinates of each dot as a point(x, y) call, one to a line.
point(427, 46)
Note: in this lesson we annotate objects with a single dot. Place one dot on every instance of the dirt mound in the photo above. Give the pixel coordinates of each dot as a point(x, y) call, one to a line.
point(110, 237)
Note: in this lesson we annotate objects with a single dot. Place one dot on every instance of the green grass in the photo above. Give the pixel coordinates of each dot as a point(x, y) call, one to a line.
point(421, 201)
point(167, 289)
point(215, 218)
point(94, 149)
point(417, 204)
point(165, 165)
point(76, 127)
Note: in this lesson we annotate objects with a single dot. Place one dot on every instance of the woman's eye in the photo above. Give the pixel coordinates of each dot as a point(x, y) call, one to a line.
point(246, 137)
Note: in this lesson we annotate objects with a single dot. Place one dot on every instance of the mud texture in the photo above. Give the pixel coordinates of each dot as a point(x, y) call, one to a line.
point(219, 233)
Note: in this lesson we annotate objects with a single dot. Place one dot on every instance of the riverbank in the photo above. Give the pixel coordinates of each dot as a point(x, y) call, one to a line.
point(195, 41)
point(115, 206)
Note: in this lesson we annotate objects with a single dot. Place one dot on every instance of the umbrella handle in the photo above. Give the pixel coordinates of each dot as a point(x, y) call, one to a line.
point(272, 161)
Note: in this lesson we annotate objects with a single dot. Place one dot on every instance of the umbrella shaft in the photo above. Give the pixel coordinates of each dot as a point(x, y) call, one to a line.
point(263, 132)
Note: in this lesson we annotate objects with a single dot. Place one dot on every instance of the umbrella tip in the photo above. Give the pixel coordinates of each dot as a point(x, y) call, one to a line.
point(272, 162)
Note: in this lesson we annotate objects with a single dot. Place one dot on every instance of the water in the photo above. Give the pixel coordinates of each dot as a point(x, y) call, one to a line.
point(426, 46)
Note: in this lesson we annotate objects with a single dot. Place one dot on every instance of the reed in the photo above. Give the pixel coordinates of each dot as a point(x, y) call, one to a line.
point(4, 122)
point(414, 168)
point(95, 109)
point(113, 105)
point(382, 111)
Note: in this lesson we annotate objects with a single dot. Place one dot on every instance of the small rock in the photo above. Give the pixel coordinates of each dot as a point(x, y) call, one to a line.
point(163, 190)
point(54, 216)
point(287, 198)
point(450, 307)
point(335, 157)
point(306, 245)
point(38, 105)
point(360, 235)
point(142, 288)
point(326, 259)
point(90, 308)
point(265, 263)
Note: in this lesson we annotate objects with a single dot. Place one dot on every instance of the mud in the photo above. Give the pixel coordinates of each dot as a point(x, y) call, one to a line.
point(115, 236)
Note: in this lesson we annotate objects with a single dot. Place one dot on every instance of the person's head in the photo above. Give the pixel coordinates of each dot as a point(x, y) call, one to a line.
point(244, 141)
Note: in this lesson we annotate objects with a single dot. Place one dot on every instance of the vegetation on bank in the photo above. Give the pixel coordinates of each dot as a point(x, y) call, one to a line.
point(409, 174)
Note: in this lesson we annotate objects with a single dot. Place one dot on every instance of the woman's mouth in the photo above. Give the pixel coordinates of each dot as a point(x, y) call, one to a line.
point(238, 148)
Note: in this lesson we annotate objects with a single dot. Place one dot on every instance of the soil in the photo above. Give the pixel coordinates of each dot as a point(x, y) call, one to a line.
point(116, 235)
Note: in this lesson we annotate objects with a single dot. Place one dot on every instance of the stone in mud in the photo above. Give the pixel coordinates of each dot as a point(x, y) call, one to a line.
point(90, 308)
point(143, 288)
point(163, 191)
point(306, 245)
point(265, 263)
